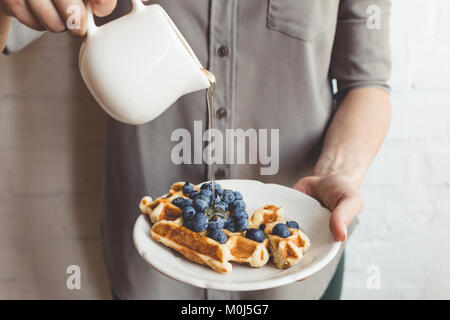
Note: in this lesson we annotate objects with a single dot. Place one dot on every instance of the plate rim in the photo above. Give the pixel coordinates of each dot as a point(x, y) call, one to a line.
point(242, 285)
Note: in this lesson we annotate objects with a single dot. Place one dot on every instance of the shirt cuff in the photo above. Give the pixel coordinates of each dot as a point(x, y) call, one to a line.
point(383, 85)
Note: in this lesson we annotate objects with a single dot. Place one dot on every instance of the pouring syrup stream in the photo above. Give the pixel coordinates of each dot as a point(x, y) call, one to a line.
point(213, 209)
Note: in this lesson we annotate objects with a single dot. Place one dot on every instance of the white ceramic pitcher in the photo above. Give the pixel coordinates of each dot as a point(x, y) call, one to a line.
point(138, 65)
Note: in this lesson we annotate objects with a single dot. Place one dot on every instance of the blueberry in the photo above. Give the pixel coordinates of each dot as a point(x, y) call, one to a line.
point(255, 235)
point(188, 202)
point(292, 224)
point(242, 224)
point(199, 222)
point(239, 213)
point(262, 226)
point(188, 213)
point(227, 221)
point(188, 188)
point(208, 185)
point(207, 193)
point(219, 189)
point(195, 194)
point(206, 199)
point(216, 224)
point(231, 225)
point(239, 204)
point(238, 195)
point(200, 205)
point(222, 206)
point(179, 202)
point(228, 196)
point(281, 230)
point(218, 235)
point(187, 223)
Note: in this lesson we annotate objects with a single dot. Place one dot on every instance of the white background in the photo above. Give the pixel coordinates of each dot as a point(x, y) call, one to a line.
point(404, 228)
point(52, 155)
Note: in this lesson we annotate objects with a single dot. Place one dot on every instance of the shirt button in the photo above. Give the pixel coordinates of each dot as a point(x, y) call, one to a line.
point(221, 113)
point(223, 51)
point(220, 174)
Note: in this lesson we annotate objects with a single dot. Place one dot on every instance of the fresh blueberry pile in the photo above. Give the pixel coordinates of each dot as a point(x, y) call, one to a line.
point(230, 202)
point(195, 218)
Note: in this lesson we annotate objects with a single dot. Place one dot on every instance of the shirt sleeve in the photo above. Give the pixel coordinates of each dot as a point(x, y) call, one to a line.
point(361, 52)
point(19, 37)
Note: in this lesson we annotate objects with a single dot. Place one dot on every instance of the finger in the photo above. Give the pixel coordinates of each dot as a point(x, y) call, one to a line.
point(47, 15)
point(346, 210)
point(5, 22)
point(5, 9)
point(103, 8)
point(20, 10)
point(73, 14)
point(306, 185)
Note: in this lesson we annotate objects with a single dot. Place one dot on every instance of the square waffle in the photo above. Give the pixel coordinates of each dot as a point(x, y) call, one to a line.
point(168, 229)
point(285, 252)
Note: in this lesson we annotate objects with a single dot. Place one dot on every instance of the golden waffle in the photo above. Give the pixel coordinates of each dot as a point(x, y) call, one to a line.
point(168, 229)
point(199, 248)
point(265, 215)
point(193, 245)
point(244, 250)
point(287, 251)
point(162, 208)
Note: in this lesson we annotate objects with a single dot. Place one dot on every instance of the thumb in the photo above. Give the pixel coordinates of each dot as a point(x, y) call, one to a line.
point(103, 8)
point(341, 217)
point(307, 185)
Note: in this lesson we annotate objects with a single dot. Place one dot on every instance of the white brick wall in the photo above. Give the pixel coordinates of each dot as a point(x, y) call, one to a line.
point(51, 160)
point(404, 228)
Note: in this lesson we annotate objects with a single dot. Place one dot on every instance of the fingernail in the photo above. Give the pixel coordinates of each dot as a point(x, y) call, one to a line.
point(345, 233)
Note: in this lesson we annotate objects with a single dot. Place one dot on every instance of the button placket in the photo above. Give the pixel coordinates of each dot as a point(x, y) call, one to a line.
point(221, 63)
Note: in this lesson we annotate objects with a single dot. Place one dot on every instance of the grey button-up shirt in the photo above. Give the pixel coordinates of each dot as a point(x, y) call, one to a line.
point(274, 61)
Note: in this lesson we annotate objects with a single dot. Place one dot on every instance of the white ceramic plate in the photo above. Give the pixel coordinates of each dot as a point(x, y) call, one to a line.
point(311, 216)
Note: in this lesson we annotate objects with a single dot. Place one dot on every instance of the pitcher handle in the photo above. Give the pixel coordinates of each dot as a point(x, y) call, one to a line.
point(91, 27)
point(138, 5)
